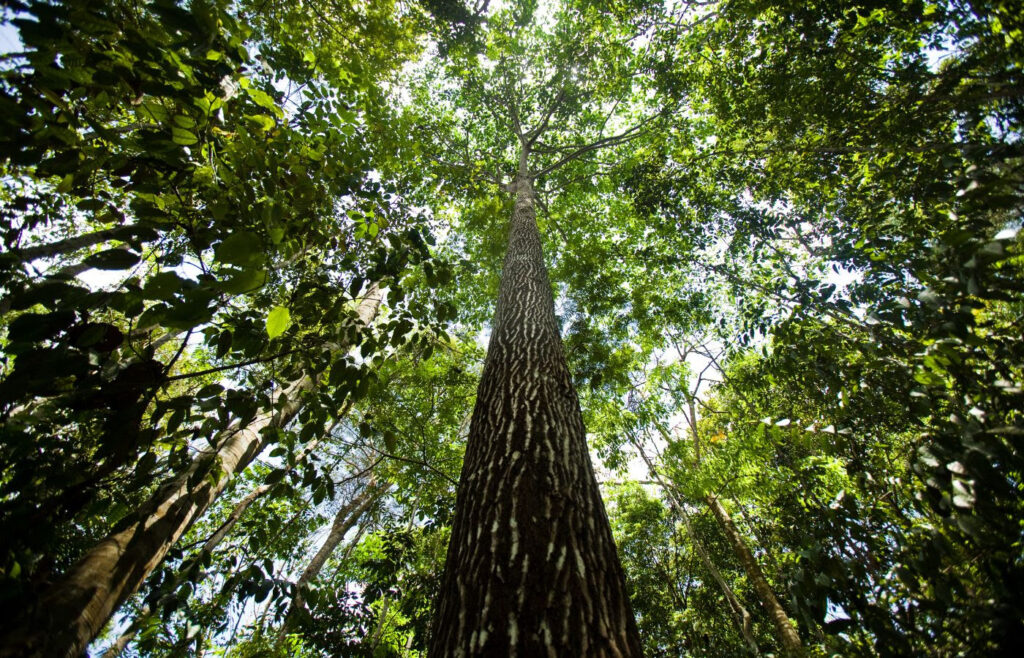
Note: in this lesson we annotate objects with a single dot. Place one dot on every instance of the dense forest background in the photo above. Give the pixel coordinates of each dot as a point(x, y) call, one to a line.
point(250, 255)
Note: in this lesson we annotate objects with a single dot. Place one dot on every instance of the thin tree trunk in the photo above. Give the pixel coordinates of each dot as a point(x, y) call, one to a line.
point(243, 505)
point(209, 546)
point(124, 639)
point(741, 616)
point(60, 247)
point(532, 568)
point(218, 536)
point(72, 611)
point(785, 632)
point(382, 622)
point(121, 643)
point(76, 608)
point(692, 418)
point(744, 622)
point(346, 518)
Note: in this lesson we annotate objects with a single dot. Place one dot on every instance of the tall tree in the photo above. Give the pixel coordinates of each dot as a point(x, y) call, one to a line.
point(787, 636)
point(348, 517)
point(532, 567)
point(209, 175)
point(836, 202)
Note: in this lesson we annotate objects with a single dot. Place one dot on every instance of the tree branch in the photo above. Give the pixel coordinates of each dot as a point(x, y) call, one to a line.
point(471, 171)
point(210, 371)
point(614, 140)
point(547, 117)
point(491, 102)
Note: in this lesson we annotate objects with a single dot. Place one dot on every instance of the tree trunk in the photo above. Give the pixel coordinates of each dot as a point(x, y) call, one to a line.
point(60, 247)
point(124, 639)
point(741, 616)
point(218, 536)
point(785, 632)
point(744, 622)
point(346, 518)
point(532, 568)
point(72, 611)
point(208, 548)
point(243, 505)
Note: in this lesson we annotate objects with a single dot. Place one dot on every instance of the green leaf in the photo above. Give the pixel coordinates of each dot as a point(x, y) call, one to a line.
point(209, 391)
point(32, 327)
point(152, 317)
point(97, 336)
point(113, 259)
point(183, 137)
point(223, 343)
point(278, 320)
point(164, 285)
point(243, 248)
point(355, 286)
point(264, 100)
point(262, 121)
point(242, 281)
point(193, 311)
point(184, 121)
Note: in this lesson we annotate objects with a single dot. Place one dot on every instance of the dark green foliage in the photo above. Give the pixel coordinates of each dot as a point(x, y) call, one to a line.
point(153, 129)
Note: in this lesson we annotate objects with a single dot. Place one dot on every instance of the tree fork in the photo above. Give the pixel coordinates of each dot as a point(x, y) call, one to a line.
point(532, 567)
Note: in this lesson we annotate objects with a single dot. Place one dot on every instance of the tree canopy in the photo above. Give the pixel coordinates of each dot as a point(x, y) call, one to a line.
point(250, 257)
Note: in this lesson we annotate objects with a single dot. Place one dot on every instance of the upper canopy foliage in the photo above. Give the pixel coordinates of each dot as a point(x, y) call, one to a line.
point(784, 240)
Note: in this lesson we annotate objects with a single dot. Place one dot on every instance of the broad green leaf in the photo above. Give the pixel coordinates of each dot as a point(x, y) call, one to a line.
point(39, 326)
point(113, 259)
point(264, 100)
point(193, 311)
point(241, 248)
point(164, 285)
point(262, 121)
point(238, 282)
point(183, 136)
point(278, 321)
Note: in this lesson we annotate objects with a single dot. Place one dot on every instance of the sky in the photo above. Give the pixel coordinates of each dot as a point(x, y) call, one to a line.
point(9, 41)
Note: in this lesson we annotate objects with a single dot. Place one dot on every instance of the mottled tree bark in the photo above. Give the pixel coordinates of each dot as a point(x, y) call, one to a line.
point(73, 610)
point(785, 632)
point(532, 568)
